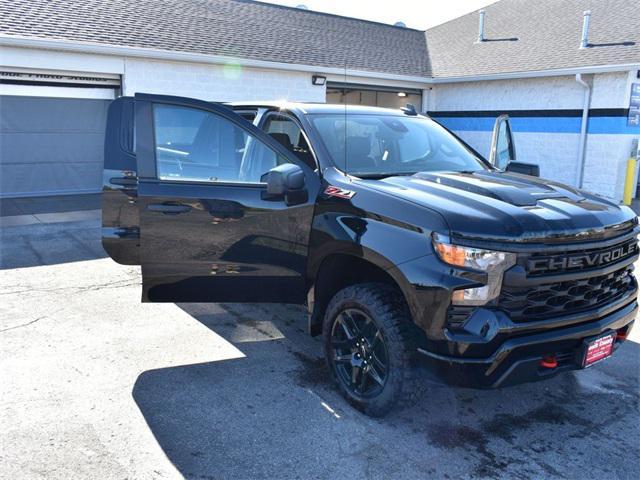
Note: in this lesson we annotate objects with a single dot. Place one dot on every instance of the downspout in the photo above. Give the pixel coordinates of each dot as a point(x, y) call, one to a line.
point(583, 128)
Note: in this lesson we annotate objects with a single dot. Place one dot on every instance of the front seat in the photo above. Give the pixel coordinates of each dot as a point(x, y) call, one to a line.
point(283, 139)
point(304, 152)
point(266, 162)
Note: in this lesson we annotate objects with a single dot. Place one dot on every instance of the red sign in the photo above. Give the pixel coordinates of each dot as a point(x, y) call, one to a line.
point(599, 349)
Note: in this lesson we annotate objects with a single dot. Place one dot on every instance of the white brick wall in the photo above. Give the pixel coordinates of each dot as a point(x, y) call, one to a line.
point(518, 94)
point(606, 164)
point(611, 90)
point(208, 82)
point(556, 153)
point(218, 82)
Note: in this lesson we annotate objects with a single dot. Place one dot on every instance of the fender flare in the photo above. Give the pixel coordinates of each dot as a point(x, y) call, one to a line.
point(361, 253)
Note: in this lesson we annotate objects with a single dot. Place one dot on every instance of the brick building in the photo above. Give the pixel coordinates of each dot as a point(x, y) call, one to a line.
point(61, 62)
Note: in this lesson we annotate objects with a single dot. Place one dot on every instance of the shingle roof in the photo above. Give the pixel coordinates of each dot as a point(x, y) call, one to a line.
point(548, 34)
point(237, 28)
point(522, 35)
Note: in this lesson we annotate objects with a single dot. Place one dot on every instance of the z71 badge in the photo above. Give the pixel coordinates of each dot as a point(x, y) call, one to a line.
point(339, 192)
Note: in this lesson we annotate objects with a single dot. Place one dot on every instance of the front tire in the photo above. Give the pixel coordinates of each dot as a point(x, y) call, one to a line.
point(370, 347)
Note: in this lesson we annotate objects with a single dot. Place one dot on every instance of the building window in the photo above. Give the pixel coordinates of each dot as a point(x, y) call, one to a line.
point(387, 97)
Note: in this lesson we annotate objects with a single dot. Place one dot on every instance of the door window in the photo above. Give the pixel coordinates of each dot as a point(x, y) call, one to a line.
point(197, 145)
point(502, 149)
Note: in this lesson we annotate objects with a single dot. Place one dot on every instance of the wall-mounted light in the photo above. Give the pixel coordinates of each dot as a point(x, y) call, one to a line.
point(402, 94)
point(318, 80)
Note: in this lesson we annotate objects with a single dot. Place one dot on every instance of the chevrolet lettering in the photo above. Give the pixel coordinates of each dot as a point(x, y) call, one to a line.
point(582, 261)
point(408, 248)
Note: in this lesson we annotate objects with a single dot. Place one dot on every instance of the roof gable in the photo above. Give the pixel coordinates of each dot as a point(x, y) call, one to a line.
point(525, 35)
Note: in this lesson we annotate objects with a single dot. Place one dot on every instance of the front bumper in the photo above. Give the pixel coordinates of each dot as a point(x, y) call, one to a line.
point(518, 358)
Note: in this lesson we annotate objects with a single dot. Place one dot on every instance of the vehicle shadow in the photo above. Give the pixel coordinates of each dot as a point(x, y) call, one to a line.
point(50, 244)
point(275, 414)
point(51, 204)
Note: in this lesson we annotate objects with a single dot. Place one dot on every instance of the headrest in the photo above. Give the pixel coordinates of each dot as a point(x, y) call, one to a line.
point(283, 139)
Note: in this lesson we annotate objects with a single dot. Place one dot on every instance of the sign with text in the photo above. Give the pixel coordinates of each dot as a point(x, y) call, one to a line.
point(633, 120)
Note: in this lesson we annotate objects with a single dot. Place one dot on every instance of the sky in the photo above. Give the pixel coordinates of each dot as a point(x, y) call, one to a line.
point(420, 14)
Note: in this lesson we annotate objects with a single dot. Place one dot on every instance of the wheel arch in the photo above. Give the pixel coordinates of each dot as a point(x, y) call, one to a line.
point(341, 269)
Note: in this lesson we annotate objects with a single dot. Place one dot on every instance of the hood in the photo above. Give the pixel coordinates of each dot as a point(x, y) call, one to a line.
point(505, 206)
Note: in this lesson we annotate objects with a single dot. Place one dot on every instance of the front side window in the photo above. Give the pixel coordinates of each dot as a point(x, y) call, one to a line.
point(382, 145)
point(197, 145)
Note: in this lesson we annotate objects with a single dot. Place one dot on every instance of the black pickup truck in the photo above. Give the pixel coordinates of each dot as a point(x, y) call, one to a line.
point(405, 243)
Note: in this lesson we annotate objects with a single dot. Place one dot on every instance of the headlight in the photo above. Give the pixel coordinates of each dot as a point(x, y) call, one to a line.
point(491, 262)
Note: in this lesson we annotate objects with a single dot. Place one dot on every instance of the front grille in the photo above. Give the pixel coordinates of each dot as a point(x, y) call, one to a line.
point(550, 300)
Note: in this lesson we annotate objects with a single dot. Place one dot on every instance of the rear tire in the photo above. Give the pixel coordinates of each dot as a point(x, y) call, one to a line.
point(370, 348)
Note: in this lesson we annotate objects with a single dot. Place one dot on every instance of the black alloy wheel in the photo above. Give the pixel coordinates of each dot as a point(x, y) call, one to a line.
point(370, 347)
point(360, 358)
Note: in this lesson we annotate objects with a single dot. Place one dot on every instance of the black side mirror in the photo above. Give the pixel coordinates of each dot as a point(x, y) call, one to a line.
point(523, 168)
point(285, 181)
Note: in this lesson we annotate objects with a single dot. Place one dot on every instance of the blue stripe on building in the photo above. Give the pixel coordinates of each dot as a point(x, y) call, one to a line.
point(553, 123)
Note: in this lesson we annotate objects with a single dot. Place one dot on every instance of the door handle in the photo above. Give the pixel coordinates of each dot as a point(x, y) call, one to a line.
point(169, 208)
point(124, 182)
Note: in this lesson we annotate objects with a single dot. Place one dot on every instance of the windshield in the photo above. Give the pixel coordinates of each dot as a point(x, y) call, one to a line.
point(382, 145)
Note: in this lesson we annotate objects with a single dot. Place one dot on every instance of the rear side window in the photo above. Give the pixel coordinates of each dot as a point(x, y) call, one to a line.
point(200, 146)
point(127, 128)
point(248, 115)
point(119, 141)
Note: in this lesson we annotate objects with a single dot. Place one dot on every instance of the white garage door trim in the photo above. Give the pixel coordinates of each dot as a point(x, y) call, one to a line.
point(57, 92)
point(58, 83)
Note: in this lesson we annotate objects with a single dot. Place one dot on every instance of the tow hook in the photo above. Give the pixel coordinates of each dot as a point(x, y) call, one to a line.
point(549, 362)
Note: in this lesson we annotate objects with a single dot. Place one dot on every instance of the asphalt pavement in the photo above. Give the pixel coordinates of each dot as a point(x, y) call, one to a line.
point(97, 385)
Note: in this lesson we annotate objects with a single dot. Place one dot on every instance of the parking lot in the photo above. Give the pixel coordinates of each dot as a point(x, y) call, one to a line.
point(96, 384)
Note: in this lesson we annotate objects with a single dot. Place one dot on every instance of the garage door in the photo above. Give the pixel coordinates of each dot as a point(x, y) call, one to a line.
point(51, 146)
point(372, 95)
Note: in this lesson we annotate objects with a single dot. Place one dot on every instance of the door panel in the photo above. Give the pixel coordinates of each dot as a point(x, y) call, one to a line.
point(205, 239)
point(230, 246)
point(120, 222)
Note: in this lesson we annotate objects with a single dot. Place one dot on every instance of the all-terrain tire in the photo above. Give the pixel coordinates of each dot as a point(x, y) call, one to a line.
point(386, 307)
